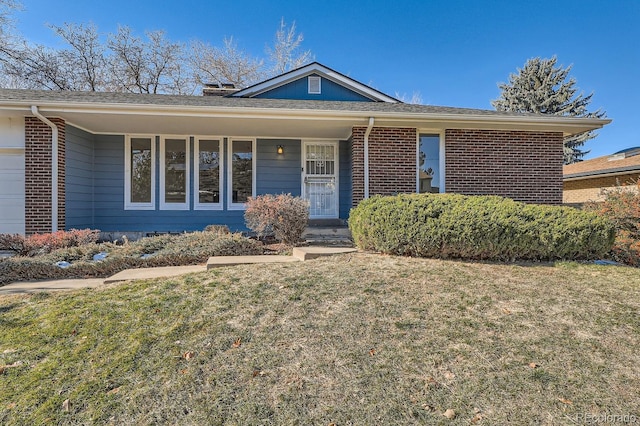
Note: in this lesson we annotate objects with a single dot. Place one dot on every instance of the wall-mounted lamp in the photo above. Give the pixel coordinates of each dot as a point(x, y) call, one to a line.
point(280, 150)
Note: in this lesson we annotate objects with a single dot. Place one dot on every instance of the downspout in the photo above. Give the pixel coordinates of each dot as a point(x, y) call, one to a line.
point(366, 157)
point(54, 166)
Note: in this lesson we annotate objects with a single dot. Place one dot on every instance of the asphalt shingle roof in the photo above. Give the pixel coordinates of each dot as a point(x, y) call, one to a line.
point(601, 165)
point(38, 97)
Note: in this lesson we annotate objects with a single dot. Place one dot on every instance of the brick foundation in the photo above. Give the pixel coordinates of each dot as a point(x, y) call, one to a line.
point(525, 166)
point(38, 175)
point(392, 161)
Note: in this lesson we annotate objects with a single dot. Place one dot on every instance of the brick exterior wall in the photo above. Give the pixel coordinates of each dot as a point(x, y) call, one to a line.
point(392, 161)
point(525, 166)
point(38, 175)
point(584, 190)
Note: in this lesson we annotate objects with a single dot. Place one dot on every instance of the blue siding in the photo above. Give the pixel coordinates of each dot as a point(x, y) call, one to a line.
point(345, 179)
point(78, 178)
point(95, 185)
point(110, 214)
point(299, 89)
point(278, 174)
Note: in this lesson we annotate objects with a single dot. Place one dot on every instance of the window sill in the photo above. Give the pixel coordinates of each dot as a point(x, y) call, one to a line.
point(207, 207)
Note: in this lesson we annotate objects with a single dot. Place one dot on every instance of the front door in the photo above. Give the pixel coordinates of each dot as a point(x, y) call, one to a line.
point(320, 178)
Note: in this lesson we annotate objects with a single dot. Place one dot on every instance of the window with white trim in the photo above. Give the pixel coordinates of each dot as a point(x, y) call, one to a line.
point(207, 178)
point(140, 171)
point(242, 173)
point(429, 162)
point(174, 173)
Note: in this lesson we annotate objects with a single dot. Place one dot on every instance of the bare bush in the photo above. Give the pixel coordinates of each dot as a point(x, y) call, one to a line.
point(38, 244)
point(284, 216)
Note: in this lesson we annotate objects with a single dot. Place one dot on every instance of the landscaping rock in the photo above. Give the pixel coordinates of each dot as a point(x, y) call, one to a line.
point(100, 256)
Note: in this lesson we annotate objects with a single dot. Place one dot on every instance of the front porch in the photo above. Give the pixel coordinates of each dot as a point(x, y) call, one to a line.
point(124, 184)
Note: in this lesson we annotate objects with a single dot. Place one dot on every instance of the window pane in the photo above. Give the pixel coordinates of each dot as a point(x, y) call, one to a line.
point(242, 171)
point(320, 159)
point(141, 170)
point(175, 169)
point(429, 163)
point(209, 171)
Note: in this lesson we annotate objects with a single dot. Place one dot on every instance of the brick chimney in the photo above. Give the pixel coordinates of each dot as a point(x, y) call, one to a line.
point(215, 89)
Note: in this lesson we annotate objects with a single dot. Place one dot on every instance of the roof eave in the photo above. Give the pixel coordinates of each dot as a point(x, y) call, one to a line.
point(600, 173)
point(567, 125)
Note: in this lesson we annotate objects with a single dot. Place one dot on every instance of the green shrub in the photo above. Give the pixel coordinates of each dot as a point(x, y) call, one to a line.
point(622, 207)
point(477, 227)
point(201, 245)
point(150, 245)
point(284, 216)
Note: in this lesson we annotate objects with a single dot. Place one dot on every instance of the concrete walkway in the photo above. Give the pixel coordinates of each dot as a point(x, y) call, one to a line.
point(147, 273)
point(25, 287)
point(299, 254)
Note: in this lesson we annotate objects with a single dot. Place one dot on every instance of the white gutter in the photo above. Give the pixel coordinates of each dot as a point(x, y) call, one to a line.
point(257, 112)
point(470, 120)
point(366, 157)
point(54, 166)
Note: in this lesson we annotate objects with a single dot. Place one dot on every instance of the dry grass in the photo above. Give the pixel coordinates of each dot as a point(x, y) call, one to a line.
point(355, 339)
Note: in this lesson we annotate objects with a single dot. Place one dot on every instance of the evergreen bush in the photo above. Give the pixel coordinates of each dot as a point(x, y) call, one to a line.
point(477, 227)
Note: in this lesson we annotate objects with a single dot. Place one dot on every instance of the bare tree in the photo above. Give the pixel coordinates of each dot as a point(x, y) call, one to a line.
point(152, 66)
point(10, 81)
point(125, 62)
point(414, 99)
point(8, 42)
point(224, 65)
point(7, 7)
point(285, 54)
point(229, 64)
point(85, 63)
point(38, 66)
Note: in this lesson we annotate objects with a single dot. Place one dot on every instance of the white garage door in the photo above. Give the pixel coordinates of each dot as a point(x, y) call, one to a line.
point(11, 175)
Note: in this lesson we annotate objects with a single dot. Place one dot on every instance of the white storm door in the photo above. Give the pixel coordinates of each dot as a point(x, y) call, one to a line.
point(320, 178)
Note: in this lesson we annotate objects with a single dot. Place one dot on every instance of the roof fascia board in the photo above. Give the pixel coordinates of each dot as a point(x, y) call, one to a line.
point(207, 109)
point(599, 173)
point(567, 125)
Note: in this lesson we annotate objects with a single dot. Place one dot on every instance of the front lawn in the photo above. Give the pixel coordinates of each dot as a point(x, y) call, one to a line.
point(355, 339)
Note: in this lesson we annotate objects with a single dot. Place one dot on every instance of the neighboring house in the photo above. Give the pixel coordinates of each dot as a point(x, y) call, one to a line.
point(161, 163)
point(585, 181)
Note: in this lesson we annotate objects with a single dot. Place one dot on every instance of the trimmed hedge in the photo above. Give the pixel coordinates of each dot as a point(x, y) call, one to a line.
point(478, 227)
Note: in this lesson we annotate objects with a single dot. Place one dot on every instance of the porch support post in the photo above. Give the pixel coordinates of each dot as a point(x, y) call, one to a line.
point(54, 166)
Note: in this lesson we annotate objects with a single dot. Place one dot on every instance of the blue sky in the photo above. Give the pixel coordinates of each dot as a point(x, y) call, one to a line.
point(453, 52)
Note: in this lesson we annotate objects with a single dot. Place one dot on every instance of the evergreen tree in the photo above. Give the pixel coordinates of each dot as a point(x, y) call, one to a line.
point(542, 87)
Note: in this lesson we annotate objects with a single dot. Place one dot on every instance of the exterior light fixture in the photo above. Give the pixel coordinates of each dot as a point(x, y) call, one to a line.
point(280, 150)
